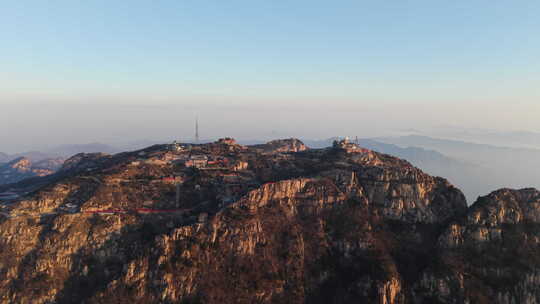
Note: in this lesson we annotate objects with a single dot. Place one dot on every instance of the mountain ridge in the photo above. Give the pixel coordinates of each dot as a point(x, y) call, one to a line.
point(223, 223)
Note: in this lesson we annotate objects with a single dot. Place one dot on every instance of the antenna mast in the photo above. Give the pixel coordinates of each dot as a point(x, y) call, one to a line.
point(196, 129)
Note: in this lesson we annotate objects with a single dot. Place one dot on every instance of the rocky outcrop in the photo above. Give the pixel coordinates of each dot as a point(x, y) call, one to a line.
point(282, 145)
point(22, 168)
point(320, 226)
point(280, 243)
point(490, 255)
point(84, 161)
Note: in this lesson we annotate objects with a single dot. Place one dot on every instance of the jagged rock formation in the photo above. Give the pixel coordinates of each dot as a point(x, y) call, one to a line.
point(281, 145)
point(490, 255)
point(316, 226)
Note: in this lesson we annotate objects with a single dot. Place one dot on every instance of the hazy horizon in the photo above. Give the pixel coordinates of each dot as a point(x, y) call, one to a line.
point(79, 124)
point(107, 72)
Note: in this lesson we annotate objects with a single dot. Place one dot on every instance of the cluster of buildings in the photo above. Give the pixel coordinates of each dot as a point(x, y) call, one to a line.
point(348, 146)
point(176, 147)
point(211, 158)
point(190, 156)
point(223, 170)
point(209, 162)
point(196, 161)
point(220, 169)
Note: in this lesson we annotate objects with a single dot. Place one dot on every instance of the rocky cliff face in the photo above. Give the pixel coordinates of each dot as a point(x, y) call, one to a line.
point(318, 226)
point(282, 145)
point(490, 255)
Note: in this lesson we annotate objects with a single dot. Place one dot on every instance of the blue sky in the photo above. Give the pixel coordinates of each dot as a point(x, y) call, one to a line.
point(336, 56)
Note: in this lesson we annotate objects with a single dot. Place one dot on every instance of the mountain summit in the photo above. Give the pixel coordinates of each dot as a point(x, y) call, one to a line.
point(275, 223)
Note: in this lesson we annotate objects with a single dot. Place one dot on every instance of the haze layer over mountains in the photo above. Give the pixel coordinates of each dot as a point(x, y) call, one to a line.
point(486, 166)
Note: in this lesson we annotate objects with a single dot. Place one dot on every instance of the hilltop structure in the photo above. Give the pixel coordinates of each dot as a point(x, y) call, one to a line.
point(176, 147)
point(197, 130)
point(348, 146)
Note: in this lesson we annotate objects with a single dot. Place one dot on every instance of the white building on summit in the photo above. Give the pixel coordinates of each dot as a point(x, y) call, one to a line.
point(176, 147)
point(348, 146)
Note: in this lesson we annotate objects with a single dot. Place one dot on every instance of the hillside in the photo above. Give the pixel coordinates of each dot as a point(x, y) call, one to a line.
point(275, 223)
point(470, 177)
point(22, 168)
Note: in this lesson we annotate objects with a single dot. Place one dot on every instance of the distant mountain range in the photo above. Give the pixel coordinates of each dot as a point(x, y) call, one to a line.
point(517, 139)
point(16, 167)
point(494, 166)
point(65, 151)
point(70, 150)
